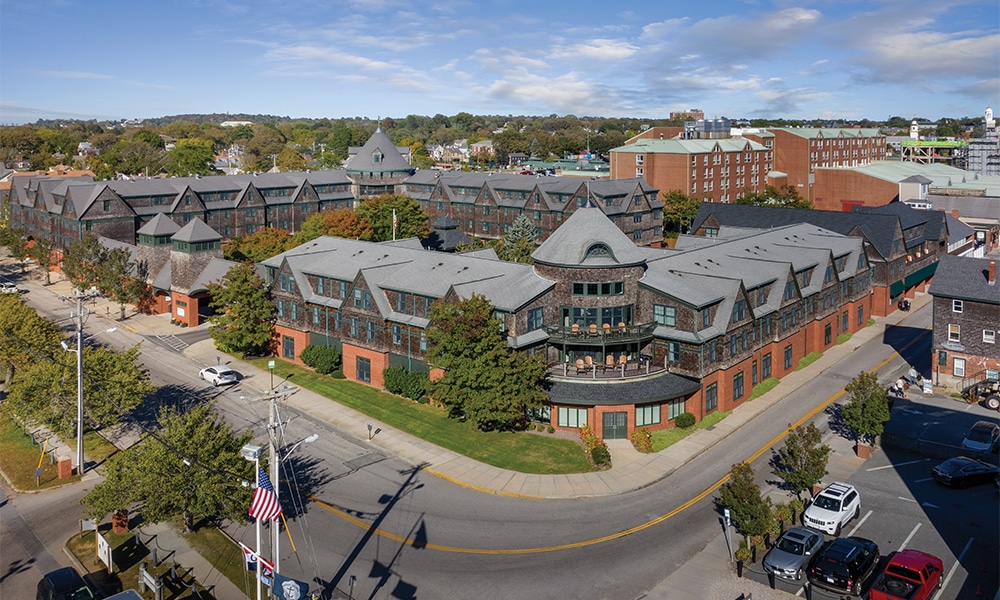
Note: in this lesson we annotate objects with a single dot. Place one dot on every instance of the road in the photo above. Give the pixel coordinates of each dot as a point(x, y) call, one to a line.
point(437, 540)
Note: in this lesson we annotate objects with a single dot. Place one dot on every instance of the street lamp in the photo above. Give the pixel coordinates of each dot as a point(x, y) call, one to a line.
point(252, 453)
point(79, 391)
point(276, 483)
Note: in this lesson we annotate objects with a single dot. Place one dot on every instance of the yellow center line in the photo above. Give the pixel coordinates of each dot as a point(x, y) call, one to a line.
point(613, 536)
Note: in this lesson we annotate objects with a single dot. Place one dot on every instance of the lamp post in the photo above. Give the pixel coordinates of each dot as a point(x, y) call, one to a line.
point(79, 387)
point(252, 453)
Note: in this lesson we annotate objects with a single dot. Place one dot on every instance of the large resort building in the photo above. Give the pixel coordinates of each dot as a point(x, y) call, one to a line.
point(633, 336)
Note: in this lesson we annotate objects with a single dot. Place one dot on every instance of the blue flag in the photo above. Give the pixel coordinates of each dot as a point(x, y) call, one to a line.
point(286, 588)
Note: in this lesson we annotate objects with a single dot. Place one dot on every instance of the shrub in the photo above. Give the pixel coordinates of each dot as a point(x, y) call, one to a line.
point(685, 420)
point(642, 439)
point(552, 429)
point(404, 383)
point(743, 553)
point(600, 455)
point(324, 360)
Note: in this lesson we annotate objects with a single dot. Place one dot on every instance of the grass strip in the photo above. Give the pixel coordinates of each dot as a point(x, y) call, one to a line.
point(507, 450)
point(667, 437)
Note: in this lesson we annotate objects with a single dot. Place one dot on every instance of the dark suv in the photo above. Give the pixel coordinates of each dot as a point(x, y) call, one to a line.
point(63, 584)
point(843, 564)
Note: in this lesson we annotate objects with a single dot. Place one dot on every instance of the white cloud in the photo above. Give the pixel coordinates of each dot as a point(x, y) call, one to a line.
point(598, 49)
point(74, 75)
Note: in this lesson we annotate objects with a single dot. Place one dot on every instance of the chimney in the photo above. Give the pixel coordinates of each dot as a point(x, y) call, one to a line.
point(992, 277)
point(954, 212)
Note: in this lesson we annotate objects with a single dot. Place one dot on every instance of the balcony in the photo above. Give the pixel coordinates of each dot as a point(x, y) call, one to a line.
point(597, 335)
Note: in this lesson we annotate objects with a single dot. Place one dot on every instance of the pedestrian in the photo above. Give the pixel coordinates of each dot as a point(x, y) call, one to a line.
point(901, 385)
point(912, 375)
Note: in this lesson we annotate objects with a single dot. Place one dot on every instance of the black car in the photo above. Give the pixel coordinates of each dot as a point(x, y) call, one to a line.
point(963, 471)
point(63, 584)
point(844, 564)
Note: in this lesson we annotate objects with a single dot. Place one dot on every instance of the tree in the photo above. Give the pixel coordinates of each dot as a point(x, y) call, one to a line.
point(518, 244)
point(42, 250)
point(121, 279)
point(191, 468)
point(290, 160)
point(258, 246)
point(867, 408)
point(45, 391)
point(339, 222)
point(378, 212)
point(25, 337)
point(81, 260)
point(785, 197)
point(802, 461)
point(749, 509)
point(243, 312)
point(482, 378)
point(191, 157)
point(679, 210)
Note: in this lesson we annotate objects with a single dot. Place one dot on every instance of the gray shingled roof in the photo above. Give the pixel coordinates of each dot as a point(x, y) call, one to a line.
point(159, 225)
point(572, 243)
point(391, 160)
point(196, 231)
point(665, 386)
point(964, 278)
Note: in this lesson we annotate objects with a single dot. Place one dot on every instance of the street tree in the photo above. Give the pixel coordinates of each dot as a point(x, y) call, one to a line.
point(45, 391)
point(483, 379)
point(867, 409)
point(748, 507)
point(190, 468)
point(378, 212)
point(25, 337)
point(679, 210)
point(81, 261)
point(244, 314)
point(801, 462)
point(191, 156)
point(122, 279)
point(339, 222)
point(41, 250)
point(259, 245)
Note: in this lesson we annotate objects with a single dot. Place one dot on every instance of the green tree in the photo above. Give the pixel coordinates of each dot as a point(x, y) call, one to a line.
point(518, 244)
point(42, 250)
point(378, 212)
point(121, 279)
point(482, 378)
point(801, 462)
point(243, 312)
point(785, 196)
point(290, 160)
point(258, 246)
point(191, 157)
point(867, 409)
point(25, 337)
point(81, 260)
point(190, 468)
point(749, 509)
point(45, 391)
point(679, 210)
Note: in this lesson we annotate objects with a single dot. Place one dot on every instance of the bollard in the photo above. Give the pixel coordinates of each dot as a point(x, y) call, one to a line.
point(142, 575)
point(770, 580)
point(156, 563)
point(173, 571)
point(739, 568)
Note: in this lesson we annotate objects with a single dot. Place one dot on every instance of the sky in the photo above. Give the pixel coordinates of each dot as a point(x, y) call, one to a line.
point(122, 59)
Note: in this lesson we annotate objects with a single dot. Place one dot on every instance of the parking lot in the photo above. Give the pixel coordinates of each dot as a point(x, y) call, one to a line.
point(903, 507)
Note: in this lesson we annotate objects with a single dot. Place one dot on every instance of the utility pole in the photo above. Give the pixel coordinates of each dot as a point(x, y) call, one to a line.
point(273, 457)
point(79, 297)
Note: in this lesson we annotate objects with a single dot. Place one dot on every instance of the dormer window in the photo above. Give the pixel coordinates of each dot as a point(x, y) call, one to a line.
point(598, 250)
point(377, 157)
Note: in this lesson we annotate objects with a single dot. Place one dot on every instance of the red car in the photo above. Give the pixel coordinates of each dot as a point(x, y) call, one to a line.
point(909, 575)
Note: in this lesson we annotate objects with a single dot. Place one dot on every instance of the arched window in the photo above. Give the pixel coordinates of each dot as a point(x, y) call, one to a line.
point(598, 250)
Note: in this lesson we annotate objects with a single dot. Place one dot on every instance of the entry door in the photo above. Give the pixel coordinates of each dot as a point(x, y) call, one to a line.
point(615, 426)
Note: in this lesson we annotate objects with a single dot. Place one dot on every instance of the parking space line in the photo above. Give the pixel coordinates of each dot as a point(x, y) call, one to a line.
point(908, 538)
point(923, 480)
point(951, 571)
point(860, 523)
point(907, 499)
point(902, 464)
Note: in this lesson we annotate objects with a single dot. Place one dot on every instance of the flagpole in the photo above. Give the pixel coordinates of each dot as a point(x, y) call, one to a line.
point(275, 482)
point(256, 464)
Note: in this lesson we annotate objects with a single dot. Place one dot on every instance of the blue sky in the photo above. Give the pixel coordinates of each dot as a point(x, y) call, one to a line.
point(111, 59)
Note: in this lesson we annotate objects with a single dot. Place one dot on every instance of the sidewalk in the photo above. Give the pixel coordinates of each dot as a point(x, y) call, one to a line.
point(706, 575)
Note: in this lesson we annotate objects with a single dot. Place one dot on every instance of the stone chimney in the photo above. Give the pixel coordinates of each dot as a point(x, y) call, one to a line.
point(992, 277)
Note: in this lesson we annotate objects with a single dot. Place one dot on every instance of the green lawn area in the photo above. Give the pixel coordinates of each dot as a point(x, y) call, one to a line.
point(19, 457)
point(843, 337)
point(666, 437)
point(808, 359)
point(763, 387)
point(522, 452)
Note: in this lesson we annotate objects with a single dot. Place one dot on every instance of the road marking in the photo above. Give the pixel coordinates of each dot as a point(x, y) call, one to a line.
point(860, 523)
point(929, 505)
point(923, 480)
point(951, 571)
point(613, 536)
point(909, 537)
point(907, 499)
point(912, 462)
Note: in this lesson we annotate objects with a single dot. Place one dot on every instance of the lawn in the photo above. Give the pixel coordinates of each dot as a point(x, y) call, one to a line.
point(763, 387)
point(666, 437)
point(19, 457)
point(514, 451)
point(808, 359)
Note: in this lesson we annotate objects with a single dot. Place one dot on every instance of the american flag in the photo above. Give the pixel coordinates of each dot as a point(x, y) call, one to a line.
point(265, 505)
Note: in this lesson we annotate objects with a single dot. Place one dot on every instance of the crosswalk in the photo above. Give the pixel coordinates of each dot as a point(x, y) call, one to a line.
point(172, 342)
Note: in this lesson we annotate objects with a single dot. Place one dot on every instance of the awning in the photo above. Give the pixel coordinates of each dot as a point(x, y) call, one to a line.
point(921, 274)
point(896, 288)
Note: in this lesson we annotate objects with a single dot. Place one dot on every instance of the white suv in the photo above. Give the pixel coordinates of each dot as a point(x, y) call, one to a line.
point(832, 508)
point(8, 288)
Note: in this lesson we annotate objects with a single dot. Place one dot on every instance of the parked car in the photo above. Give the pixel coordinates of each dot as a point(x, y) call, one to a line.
point(963, 471)
point(983, 437)
point(909, 575)
point(844, 564)
point(63, 584)
point(792, 551)
point(832, 508)
point(219, 375)
point(7, 287)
